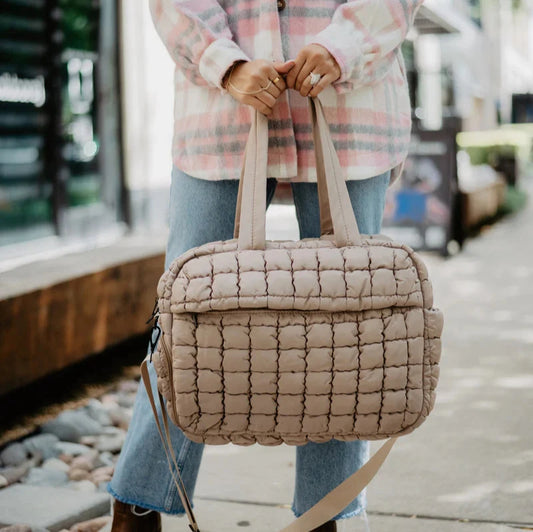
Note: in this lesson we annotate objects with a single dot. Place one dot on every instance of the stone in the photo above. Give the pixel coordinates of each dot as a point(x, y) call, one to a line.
point(82, 485)
point(121, 417)
point(23, 528)
point(111, 443)
point(71, 425)
point(126, 399)
point(14, 454)
point(51, 508)
point(129, 386)
point(86, 461)
point(102, 474)
point(10, 475)
point(96, 410)
point(72, 449)
point(109, 399)
point(106, 470)
point(42, 443)
point(111, 431)
point(56, 464)
point(38, 476)
point(93, 525)
point(102, 487)
point(88, 440)
point(67, 458)
point(78, 474)
point(105, 459)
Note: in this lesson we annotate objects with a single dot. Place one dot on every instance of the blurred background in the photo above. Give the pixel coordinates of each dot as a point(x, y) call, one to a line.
point(86, 97)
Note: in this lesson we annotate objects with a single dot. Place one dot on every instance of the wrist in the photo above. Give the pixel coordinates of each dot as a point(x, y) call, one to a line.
point(228, 73)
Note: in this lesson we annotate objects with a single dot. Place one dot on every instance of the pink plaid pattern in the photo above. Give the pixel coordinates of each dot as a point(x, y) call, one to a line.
point(367, 108)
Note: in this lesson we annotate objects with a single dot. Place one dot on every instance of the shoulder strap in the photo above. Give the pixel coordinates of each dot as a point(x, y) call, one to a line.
point(329, 506)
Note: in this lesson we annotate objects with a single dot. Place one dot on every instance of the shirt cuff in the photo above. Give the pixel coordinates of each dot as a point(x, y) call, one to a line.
point(343, 47)
point(217, 58)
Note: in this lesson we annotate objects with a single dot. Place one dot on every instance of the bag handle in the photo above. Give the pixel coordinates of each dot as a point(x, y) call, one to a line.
point(324, 510)
point(336, 212)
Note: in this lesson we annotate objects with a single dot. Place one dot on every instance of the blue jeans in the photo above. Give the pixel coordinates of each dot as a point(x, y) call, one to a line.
point(203, 211)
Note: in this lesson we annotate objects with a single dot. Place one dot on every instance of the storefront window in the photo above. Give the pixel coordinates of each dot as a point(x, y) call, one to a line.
point(80, 142)
point(58, 107)
point(26, 189)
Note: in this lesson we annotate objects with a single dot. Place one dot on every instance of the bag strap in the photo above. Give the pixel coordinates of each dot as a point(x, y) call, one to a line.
point(167, 446)
point(324, 510)
point(336, 212)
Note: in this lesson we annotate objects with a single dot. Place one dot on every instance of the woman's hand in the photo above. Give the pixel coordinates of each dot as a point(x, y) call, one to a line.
point(313, 58)
point(251, 76)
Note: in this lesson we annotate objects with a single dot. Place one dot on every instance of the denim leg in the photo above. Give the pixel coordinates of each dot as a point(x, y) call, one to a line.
point(320, 467)
point(200, 211)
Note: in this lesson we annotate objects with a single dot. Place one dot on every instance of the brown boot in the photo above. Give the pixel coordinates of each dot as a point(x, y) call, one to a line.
point(124, 520)
point(330, 526)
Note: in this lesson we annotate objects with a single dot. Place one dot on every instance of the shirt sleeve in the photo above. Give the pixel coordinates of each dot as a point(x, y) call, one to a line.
point(364, 37)
point(198, 38)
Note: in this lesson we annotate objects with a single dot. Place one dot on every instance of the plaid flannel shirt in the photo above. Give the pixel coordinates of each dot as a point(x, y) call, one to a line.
point(367, 108)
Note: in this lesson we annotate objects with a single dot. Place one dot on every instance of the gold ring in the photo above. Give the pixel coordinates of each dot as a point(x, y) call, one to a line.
point(276, 80)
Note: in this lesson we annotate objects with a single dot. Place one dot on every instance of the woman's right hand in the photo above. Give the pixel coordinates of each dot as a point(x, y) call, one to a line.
point(250, 76)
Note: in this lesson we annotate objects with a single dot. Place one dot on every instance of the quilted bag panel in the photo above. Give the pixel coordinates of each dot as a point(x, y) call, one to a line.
point(302, 341)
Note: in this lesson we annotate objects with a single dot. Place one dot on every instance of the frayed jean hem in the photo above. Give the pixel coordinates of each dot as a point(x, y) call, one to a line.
point(338, 517)
point(141, 504)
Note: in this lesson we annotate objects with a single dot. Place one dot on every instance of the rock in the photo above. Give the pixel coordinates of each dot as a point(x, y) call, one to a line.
point(78, 474)
point(88, 440)
point(42, 443)
point(51, 508)
point(102, 474)
point(23, 528)
point(55, 464)
point(96, 410)
point(111, 443)
point(110, 431)
point(120, 417)
point(126, 400)
point(67, 458)
point(87, 461)
point(106, 470)
point(72, 449)
point(129, 386)
point(105, 459)
point(94, 525)
point(71, 425)
point(38, 476)
point(10, 475)
point(14, 454)
point(102, 487)
point(109, 400)
point(82, 485)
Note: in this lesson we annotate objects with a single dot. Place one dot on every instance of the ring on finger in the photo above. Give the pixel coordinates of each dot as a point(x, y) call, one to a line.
point(314, 78)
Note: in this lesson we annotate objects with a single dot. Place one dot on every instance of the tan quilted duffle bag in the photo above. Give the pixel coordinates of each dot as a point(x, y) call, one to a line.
point(276, 342)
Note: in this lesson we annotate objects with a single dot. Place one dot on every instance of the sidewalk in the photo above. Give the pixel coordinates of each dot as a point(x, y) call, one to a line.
point(470, 466)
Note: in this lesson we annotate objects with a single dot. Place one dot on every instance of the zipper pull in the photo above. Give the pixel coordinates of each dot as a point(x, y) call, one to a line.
point(155, 311)
point(155, 327)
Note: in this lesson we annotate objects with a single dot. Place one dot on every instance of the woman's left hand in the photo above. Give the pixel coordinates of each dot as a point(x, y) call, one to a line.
point(312, 58)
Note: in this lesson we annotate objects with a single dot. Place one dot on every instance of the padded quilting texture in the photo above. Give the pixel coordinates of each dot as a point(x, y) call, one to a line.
point(302, 341)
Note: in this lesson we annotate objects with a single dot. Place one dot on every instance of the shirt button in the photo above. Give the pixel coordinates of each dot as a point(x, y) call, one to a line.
point(281, 4)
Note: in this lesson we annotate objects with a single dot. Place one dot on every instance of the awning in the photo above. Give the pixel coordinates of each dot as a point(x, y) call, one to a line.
point(435, 19)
